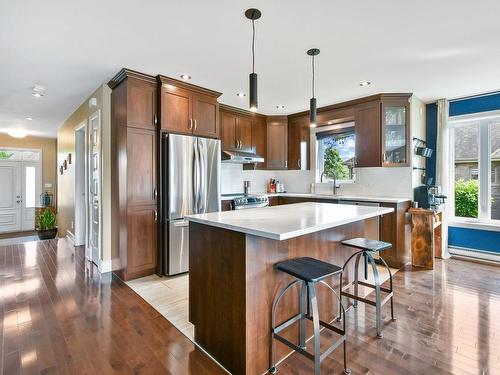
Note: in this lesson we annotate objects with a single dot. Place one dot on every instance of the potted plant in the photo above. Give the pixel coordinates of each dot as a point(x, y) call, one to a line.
point(46, 226)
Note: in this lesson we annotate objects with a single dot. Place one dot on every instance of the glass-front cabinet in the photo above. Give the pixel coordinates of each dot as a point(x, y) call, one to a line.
point(395, 133)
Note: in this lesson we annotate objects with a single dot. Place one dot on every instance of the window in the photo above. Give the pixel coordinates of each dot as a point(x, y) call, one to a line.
point(335, 153)
point(476, 166)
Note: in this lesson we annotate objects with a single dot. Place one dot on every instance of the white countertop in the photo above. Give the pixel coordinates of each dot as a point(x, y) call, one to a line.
point(361, 198)
point(289, 221)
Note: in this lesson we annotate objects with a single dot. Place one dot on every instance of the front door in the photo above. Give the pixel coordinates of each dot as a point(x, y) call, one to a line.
point(95, 187)
point(10, 196)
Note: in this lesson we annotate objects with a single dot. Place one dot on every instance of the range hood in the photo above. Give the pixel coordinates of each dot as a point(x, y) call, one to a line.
point(240, 157)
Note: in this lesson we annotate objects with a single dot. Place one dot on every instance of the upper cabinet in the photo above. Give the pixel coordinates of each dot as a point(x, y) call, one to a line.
point(395, 132)
point(241, 131)
point(277, 142)
point(298, 142)
point(188, 109)
point(382, 128)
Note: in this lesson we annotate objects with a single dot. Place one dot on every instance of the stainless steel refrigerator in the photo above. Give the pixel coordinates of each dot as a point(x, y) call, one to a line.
point(191, 185)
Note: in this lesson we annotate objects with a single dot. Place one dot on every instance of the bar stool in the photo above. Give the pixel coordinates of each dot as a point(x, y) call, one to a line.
point(367, 248)
point(308, 272)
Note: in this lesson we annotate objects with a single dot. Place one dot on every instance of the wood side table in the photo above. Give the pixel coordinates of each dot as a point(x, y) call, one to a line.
point(425, 237)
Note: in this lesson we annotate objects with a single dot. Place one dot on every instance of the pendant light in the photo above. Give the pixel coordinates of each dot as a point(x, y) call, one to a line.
point(312, 103)
point(253, 14)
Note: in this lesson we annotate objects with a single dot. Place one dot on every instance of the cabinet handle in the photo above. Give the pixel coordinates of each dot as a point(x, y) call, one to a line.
point(239, 144)
point(155, 119)
point(286, 163)
point(156, 215)
point(195, 124)
point(190, 124)
point(155, 193)
point(298, 163)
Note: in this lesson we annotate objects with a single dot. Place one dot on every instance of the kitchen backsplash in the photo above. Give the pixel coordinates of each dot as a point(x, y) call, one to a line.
point(385, 182)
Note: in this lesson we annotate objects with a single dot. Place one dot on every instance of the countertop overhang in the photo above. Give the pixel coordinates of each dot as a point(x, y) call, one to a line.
point(289, 221)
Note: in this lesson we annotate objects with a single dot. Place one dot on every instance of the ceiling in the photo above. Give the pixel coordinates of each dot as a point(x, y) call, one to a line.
point(446, 48)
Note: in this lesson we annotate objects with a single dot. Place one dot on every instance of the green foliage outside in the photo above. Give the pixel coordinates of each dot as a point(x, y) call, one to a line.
point(5, 154)
point(46, 219)
point(466, 198)
point(335, 165)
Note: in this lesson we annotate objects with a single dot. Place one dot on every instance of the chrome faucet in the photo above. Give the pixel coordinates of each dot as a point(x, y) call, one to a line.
point(334, 181)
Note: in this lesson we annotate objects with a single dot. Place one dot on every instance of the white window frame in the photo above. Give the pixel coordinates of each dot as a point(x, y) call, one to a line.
point(314, 148)
point(483, 121)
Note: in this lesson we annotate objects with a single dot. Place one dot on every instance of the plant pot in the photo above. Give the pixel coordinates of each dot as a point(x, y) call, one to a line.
point(47, 234)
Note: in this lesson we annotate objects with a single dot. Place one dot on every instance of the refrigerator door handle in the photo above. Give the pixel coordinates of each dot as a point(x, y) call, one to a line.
point(202, 161)
point(196, 180)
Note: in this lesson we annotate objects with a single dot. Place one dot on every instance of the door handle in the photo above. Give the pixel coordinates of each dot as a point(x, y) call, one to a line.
point(181, 223)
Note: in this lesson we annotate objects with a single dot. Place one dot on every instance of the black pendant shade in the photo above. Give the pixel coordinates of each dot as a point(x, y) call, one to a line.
point(312, 103)
point(253, 14)
point(254, 103)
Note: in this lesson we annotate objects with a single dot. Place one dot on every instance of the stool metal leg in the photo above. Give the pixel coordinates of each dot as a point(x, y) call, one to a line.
point(366, 265)
point(315, 316)
point(378, 299)
point(390, 287)
point(303, 307)
point(356, 277)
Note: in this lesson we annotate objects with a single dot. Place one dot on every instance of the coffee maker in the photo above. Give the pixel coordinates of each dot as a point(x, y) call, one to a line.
point(429, 196)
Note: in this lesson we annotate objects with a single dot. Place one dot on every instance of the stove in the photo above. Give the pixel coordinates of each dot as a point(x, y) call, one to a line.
point(242, 201)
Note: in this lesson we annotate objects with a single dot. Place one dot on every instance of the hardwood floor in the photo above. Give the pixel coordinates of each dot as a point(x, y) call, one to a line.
point(57, 316)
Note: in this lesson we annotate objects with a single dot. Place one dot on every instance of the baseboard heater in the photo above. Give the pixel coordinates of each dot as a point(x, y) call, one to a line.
point(474, 253)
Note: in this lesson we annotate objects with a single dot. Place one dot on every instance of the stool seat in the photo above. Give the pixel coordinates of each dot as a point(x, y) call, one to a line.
point(308, 269)
point(367, 244)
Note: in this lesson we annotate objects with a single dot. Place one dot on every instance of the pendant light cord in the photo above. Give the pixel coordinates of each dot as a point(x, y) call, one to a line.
point(253, 46)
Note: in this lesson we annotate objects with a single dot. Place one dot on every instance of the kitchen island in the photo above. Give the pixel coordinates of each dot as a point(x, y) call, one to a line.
point(232, 281)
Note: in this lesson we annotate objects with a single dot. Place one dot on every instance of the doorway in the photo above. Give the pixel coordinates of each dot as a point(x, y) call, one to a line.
point(81, 186)
point(20, 188)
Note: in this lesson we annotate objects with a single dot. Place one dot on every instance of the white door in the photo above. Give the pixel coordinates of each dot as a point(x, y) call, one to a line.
point(10, 196)
point(31, 182)
point(95, 186)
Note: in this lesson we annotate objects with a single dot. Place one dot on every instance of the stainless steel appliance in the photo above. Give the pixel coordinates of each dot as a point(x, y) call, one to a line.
point(190, 185)
point(241, 157)
point(243, 201)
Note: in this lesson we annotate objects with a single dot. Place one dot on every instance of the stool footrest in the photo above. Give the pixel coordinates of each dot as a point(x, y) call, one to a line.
point(293, 346)
point(368, 285)
point(288, 323)
point(328, 326)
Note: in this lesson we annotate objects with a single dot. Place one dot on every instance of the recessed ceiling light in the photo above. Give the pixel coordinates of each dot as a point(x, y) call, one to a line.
point(185, 77)
point(365, 83)
point(29, 118)
point(17, 133)
point(241, 94)
point(280, 106)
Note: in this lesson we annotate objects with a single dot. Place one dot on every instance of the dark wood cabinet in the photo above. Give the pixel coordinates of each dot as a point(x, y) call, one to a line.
point(368, 134)
point(188, 109)
point(134, 208)
point(259, 140)
point(298, 142)
point(236, 129)
point(277, 142)
point(142, 240)
point(382, 128)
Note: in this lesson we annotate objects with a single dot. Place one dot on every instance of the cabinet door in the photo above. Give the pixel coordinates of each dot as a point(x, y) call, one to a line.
point(277, 142)
point(141, 105)
point(395, 133)
point(141, 166)
point(367, 132)
point(205, 112)
point(176, 110)
point(298, 143)
point(259, 140)
point(141, 239)
point(244, 133)
point(228, 130)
